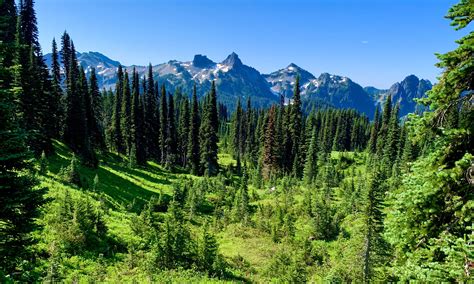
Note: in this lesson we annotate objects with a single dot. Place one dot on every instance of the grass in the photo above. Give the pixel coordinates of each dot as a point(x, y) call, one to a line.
point(122, 186)
point(126, 190)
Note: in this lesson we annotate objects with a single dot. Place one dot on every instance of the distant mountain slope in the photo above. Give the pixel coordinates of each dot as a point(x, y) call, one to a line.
point(237, 80)
point(404, 93)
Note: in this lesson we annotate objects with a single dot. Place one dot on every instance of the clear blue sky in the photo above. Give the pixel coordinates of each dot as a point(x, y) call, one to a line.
point(374, 42)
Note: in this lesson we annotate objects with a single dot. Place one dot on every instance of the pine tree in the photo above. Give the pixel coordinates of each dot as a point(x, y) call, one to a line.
point(184, 128)
point(66, 53)
point(75, 128)
point(429, 222)
point(310, 166)
point(95, 118)
point(171, 136)
point(208, 134)
point(193, 145)
point(208, 248)
point(375, 246)
point(384, 125)
point(32, 78)
point(137, 148)
point(392, 141)
point(116, 127)
point(125, 113)
point(19, 201)
point(56, 91)
point(152, 118)
point(270, 157)
point(163, 124)
point(237, 128)
point(8, 31)
point(295, 129)
point(241, 201)
point(374, 132)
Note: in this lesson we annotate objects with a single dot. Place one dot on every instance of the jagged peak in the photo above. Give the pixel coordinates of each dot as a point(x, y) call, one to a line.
point(232, 60)
point(202, 61)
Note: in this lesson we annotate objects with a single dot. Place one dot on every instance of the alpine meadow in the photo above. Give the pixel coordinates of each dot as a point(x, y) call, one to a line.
point(206, 172)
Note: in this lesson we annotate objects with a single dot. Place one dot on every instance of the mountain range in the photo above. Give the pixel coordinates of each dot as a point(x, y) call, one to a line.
point(235, 79)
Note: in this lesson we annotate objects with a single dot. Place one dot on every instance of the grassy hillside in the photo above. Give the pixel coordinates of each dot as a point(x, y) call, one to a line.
point(252, 251)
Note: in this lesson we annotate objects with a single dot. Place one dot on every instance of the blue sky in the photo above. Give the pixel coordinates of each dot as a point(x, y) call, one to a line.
point(374, 42)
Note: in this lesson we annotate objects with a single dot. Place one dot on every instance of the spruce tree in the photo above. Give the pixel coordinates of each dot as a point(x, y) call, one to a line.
point(183, 133)
point(125, 113)
point(75, 128)
point(193, 145)
point(270, 157)
point(56, 91)
point(295, 129)
point(19, 201)
point(163, 124)
point(374, 132)
point(95, 123)
point(310, 166)
point(116, 129)
point(384, 125)
point(32, 79)
point(171, 137)
point(152, 118)
point(208, 134)
point(137, 148)
point(236, 130)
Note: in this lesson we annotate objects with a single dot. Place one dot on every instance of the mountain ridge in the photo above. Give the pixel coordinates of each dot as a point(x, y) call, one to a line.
point(235, 80)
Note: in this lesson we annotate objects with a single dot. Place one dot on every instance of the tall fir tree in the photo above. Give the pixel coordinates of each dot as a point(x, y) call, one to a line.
point(32, 79)
point(95, 123)
point(138, 147)
point(171, 137)
point(208, 133)
point(183, 133)
point(270, 155)
point(19, 201)
point(116, 127)
point(193, 145)
point(56, 91)
point(310, 166)
point(372, 147)
point(296, 129)
point(163, 124)
point(125, 113)
point(152, 118)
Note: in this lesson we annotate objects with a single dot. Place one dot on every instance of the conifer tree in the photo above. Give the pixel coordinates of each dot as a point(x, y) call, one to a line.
point(184, 128)
point(374, 132)
point(237, 128)
point(66, 53)
point(295, 129)
point(56, 91)
point(32, 78)
point(19, 201)
point(392, 141)
point(311, 158)
point(208, 134)
point(163, 124)
point(270, 157)
point(152, 118)
point(193, 145)
point(171, 135)
point(384, 125)
point(116, 129)
point(374, 246)
point(75, 128)
point(137, 148)
point(125, 113)
point(95, 118)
